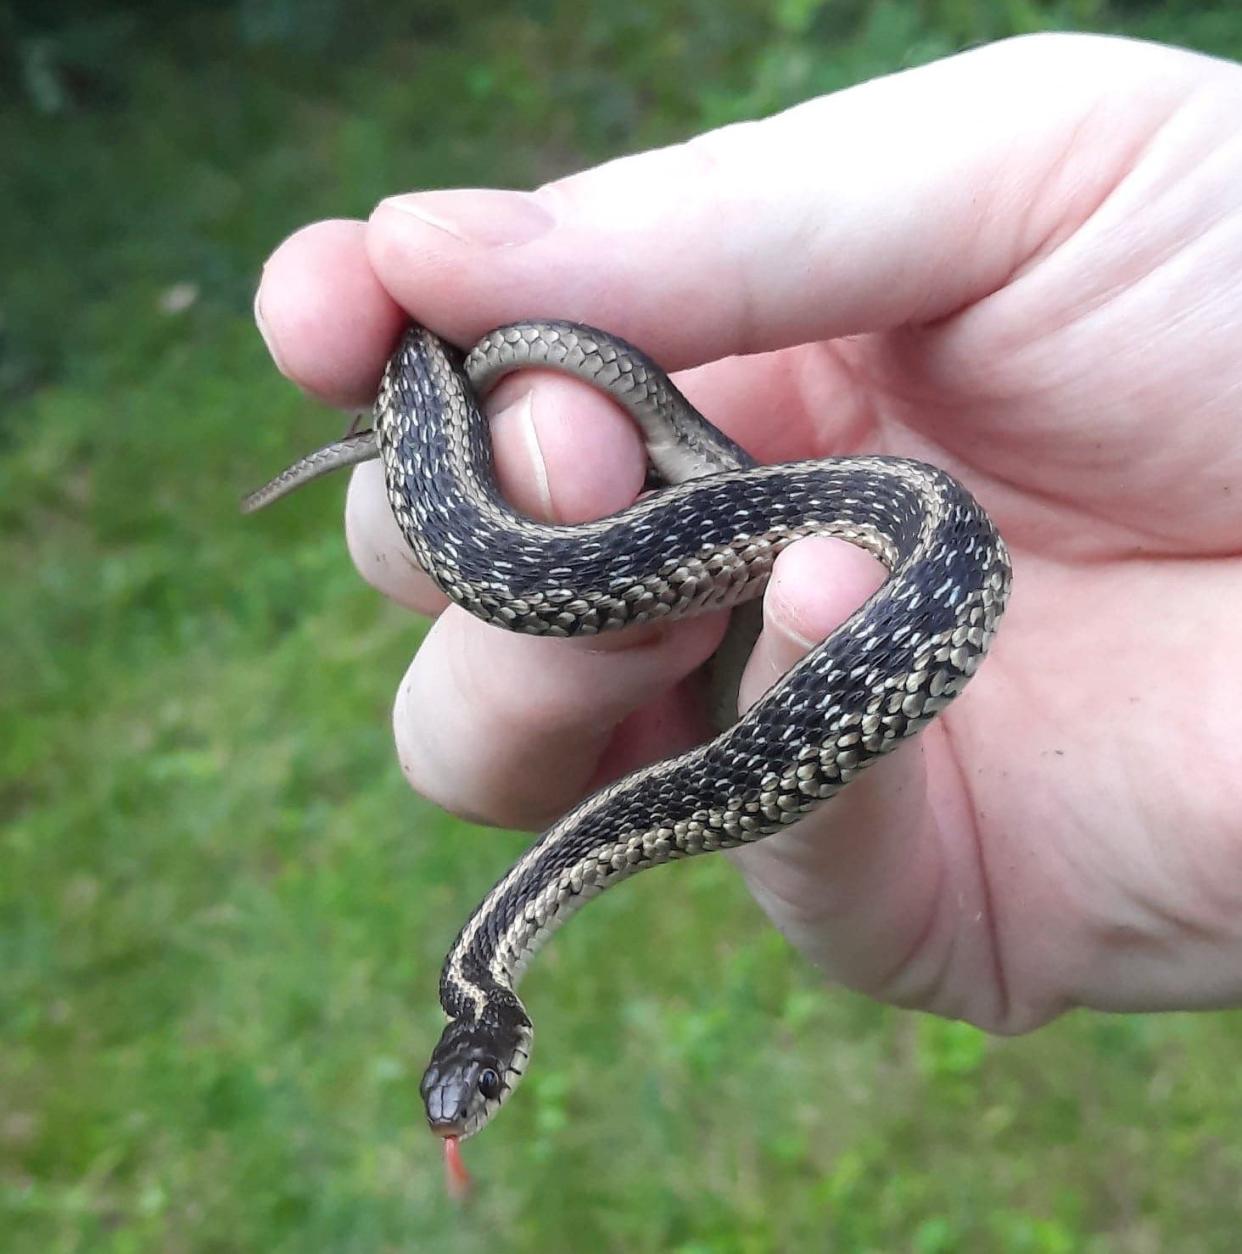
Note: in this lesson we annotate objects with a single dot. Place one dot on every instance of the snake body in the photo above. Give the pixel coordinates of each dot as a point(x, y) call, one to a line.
point(707, 543)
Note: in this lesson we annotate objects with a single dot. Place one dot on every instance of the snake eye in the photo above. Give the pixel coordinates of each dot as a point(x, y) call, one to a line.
point(489, 1083)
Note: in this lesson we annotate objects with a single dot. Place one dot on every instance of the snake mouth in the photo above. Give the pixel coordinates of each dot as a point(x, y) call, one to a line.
point(448, 1129)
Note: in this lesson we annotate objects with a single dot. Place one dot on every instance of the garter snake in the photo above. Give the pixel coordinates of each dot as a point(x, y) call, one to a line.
point(707, 542)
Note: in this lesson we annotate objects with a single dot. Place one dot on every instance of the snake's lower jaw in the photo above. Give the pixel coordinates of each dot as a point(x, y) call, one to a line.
point(447, 1129)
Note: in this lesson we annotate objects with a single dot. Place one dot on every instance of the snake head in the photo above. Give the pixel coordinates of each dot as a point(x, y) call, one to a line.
point(473, 1069)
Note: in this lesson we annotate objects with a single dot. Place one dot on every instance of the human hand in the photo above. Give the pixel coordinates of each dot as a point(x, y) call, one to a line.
point(1020, 264)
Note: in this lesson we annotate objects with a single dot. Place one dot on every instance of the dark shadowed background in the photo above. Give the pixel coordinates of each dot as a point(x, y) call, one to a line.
point(221, 911)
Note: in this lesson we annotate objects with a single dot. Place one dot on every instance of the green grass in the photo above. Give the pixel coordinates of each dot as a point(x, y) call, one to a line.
point(221, 911)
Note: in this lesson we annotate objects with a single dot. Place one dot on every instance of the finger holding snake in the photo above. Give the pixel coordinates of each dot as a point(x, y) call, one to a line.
point(992, 266)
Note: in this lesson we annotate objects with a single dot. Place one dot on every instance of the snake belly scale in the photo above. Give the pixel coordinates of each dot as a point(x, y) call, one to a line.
point(706, 542)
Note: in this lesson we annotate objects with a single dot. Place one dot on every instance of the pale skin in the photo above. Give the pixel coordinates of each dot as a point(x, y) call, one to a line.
point(1023, 264)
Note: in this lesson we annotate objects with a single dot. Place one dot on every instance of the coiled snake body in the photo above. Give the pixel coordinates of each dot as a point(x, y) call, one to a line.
point(707, 543)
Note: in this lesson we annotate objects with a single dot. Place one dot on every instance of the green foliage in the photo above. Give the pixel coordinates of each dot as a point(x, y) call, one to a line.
point(221, 913)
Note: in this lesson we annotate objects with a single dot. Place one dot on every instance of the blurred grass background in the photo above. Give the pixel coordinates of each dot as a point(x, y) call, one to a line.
point(222, 913)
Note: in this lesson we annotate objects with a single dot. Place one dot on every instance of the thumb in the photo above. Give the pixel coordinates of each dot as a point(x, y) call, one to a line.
point(880, 886)
point(898, 201)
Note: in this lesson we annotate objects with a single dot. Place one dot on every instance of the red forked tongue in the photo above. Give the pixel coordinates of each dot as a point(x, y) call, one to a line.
point(456, 1177)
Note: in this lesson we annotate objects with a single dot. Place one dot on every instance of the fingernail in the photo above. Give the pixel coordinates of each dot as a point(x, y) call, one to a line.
point(479, 216)
point(264, 331)
point(519, 418)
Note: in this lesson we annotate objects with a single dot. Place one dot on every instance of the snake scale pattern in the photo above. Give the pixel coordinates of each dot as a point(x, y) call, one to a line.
point(706, 541)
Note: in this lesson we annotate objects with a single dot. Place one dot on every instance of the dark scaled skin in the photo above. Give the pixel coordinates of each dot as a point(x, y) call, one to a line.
point(708, 545)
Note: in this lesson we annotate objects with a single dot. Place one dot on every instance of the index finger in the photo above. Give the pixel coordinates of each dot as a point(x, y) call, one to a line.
point(897, 202)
